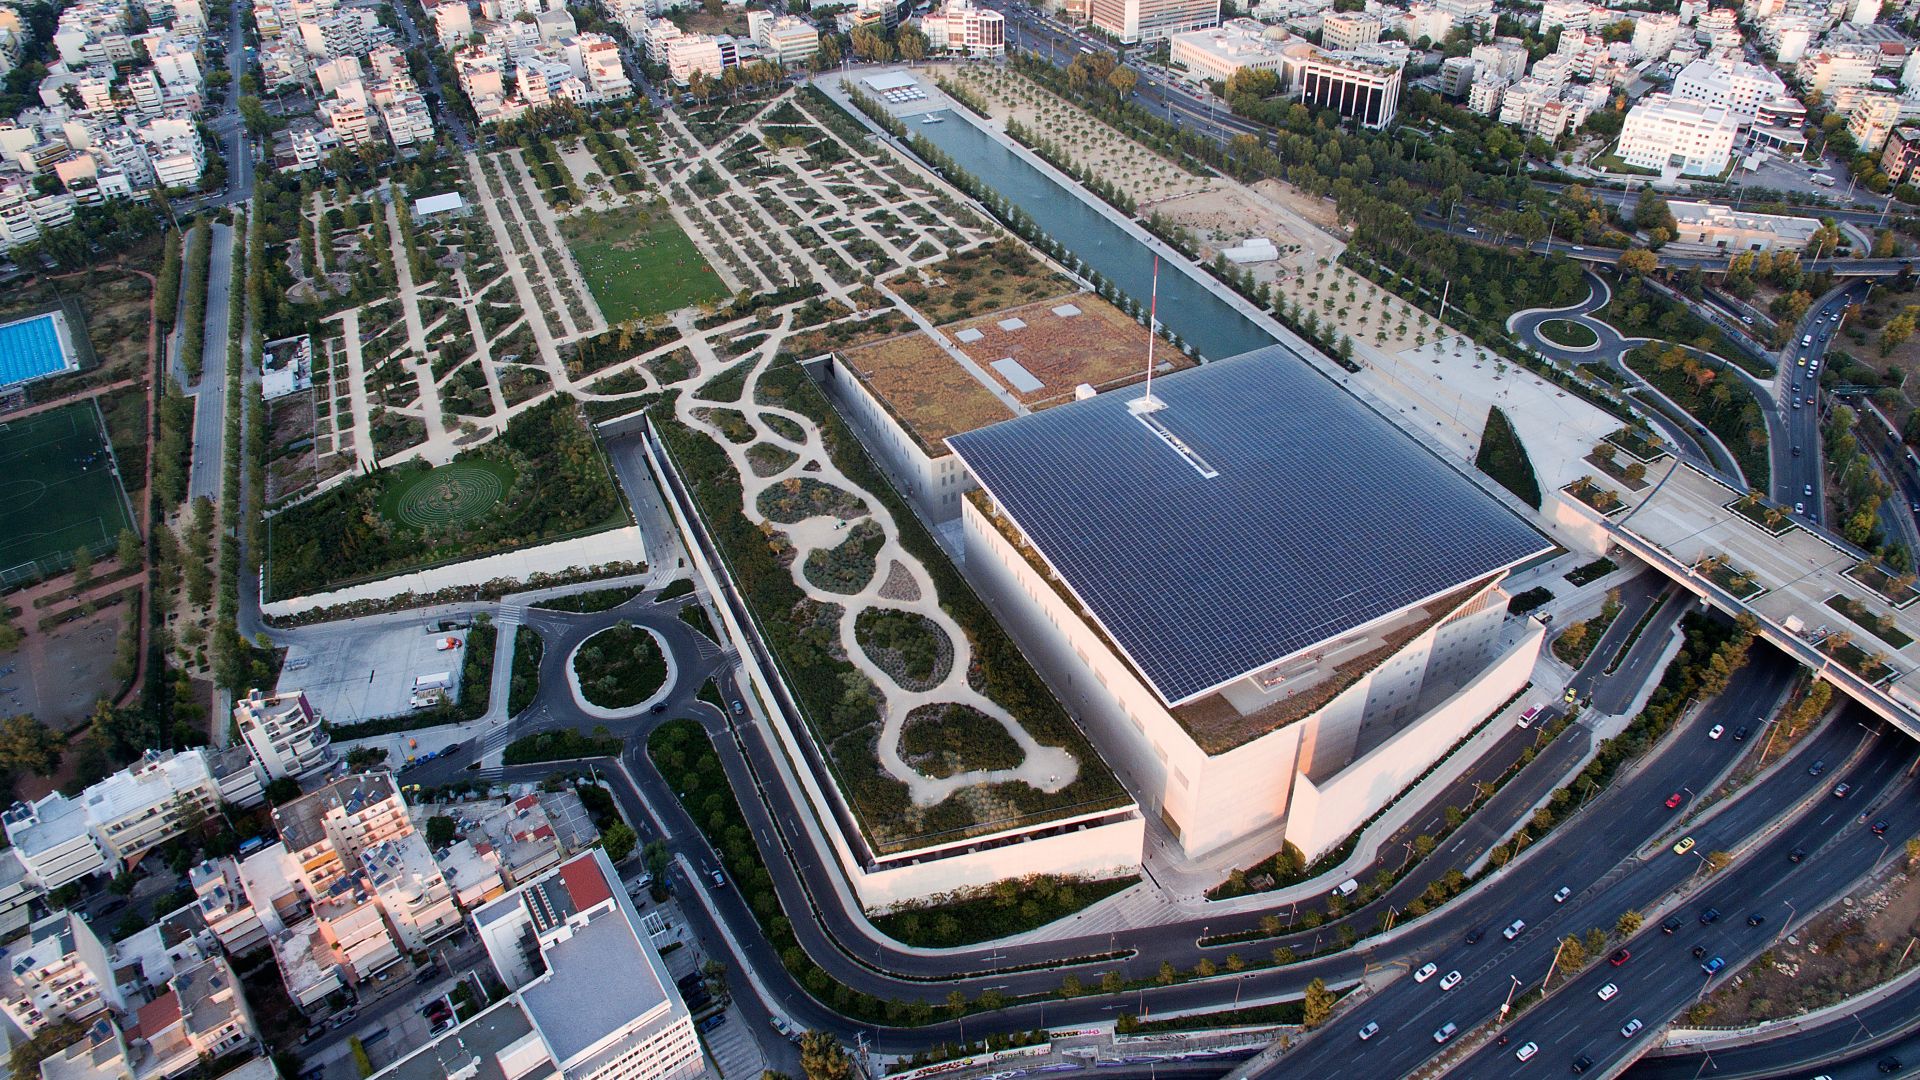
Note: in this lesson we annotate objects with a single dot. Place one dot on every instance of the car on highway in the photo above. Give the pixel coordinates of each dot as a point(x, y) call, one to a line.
point(1527, 1050)
point(1450, 980)
point(1474, 935)
point(1570, 695)
point(1631, 1028)
point(1620, 956)
point(1716, 731)
point(1514, 929)
point(1684, 845)
point(1756, 919)
point(1842, 790)
point(1807, 490)
point(1799, 508)
point(1561, 896)
point(1426, 972)
point(1710, 916)
point(1713, 966)
point(1606, 992)
point(1796, 855)
point(1527, 718)
point(1819, 766)
point(1889, 1065)
point(1699, 951)
point(1445, 1032)
point(1582, 1063)
point(1740, 733)
point(1674, 800)
point(719, 879)
point(1672, 924)
point(1368, 1032)
point(1880, 827)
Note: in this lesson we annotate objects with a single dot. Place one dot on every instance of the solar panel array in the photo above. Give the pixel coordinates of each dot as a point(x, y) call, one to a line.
point(1324, 516)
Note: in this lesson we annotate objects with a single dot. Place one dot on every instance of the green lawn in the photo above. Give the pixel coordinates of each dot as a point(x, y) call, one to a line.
point(640, 264)
point(59, 491)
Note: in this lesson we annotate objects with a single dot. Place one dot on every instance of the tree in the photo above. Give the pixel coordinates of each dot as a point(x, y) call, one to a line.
point(27, 745)
point(1628, 923)
point(1718, 861)
point(258, 120)
point(1123, 79)
point(49, 1041)
point(1573, 954)
point(82, 569)
point(127, 549)
point(1318, 1005)
point(10, 635)
point(823, 1058)
point(440, 830)
point(912, 43)
point(1639, 261)
point(619, 840)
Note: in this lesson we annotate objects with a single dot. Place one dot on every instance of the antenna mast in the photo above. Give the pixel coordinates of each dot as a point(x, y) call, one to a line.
point(1147, 402)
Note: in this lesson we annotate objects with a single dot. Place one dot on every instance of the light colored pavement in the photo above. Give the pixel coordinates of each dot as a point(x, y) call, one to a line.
point(357, 388)
point(210, 393)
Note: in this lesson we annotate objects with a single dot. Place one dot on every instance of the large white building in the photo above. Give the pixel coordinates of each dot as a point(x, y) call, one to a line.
point(1246, 667)
point(1366, 91)
point(1872, 119)
point(590, 997)
point(1134, 21)
point(62, 971)
point(1678, 138)
point(1232, 47)
point(1735, 85)
point(1348, 30)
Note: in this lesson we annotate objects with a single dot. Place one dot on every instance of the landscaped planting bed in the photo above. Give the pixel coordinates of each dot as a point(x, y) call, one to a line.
point(848, 567)
point(945, 738)
point(908, 647)
point(619, 667)
point(1570, 334)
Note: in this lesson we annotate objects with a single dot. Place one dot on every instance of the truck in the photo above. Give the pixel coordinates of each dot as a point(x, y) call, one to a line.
point(439, 680)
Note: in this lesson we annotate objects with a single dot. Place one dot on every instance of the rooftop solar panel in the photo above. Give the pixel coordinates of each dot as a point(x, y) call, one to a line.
point(1319, 515)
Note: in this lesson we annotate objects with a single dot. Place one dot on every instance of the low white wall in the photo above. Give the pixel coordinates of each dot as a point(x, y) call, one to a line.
point(933, 484)
point(1575, 525)
point(1101, 851)
point(1325, 814)
point(614, 545)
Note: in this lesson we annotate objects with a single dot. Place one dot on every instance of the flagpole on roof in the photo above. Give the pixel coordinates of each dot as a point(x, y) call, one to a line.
point(1153, 329)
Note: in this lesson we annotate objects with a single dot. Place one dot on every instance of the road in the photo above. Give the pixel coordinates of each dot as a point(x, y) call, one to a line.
point(1663, 978)
point(210, 393)
point(1797, 387)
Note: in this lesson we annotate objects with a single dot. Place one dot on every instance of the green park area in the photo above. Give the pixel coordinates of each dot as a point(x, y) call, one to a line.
point(639, 263)
point(60, 491)
point(411, 516)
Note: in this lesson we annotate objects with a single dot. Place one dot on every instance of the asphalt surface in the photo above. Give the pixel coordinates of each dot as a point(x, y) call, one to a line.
point(1592, 856)
point(1849, 1044)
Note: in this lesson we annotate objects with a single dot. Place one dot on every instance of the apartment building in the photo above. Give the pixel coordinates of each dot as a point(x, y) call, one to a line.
point(1348, 30)
point(220, 896)
point(284, 734)
point(412, 891)
point(1903, 150)
point(51, 835)
point(326, 830)
point(1655, 34)
point(1837, 67)
point(959, 27)
point(1872, 120)
point(784, 39)
point(61, 972)
point(1734, 85)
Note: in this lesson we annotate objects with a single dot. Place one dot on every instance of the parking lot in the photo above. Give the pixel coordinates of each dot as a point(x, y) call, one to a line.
point(367, 672)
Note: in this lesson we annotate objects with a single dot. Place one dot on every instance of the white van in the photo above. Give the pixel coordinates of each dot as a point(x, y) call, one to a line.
point(1347, 887)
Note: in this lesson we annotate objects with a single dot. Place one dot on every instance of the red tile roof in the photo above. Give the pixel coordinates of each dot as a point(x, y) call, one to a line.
point(158, 1015)
point(585, 884)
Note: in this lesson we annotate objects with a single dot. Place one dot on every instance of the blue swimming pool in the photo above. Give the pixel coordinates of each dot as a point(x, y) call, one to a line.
point(30, 348)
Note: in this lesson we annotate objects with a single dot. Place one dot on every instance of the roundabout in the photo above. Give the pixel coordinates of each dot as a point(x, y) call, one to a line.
point(1569, 334)
point(620, 672)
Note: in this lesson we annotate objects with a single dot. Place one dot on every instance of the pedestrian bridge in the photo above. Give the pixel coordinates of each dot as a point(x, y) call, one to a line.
point(1853, 622)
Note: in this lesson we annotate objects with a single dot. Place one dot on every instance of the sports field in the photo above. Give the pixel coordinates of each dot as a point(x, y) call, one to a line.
point(60, 492)
point(639, 264)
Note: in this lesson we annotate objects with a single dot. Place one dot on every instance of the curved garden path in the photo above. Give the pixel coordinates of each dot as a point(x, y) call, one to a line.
point(1047, 768)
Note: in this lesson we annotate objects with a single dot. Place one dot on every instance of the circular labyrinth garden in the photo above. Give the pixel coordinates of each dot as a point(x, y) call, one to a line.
point(449, 495)
point(1569, 334)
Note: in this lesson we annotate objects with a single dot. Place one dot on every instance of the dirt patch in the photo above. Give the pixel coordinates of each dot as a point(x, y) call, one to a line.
point(292, 454)
point(923, 387)
point(1062, 343)
point(1856, 944)
point(58, 675)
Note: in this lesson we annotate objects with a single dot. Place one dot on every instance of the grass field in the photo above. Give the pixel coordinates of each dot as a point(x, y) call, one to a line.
point(639, 264)
point(59, 490)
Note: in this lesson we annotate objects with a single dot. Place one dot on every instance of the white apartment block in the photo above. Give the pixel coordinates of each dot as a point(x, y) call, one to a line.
point(1736, 86)
point(1837, 67)
point(1505, 58)
point(408, 120)
point(1484, 96)
point(1135, 21)
point(1349, 30)
point(688, 53)
point(452, 23)
point(1789, 36)
point(1680, 137)
point(959, 27)
point(284, 734)
point(61, 972)
point(785, 39)
point(1222, 52)
point(1366, 91)
point(348, 117)
point(1873, 118)
point(220, 896)
point(51, 836)
point(413, 893)
point(595, 58)
point(174, 146)
point(1863, 12)
point(1571, 15)
point(1424, 20)
point(1655, 34)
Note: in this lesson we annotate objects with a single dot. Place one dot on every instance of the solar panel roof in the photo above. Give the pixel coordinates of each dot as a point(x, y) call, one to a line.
point(1320, 516)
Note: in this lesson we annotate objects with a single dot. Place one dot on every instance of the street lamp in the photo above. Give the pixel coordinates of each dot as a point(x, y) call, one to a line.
point(1508, 1004)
